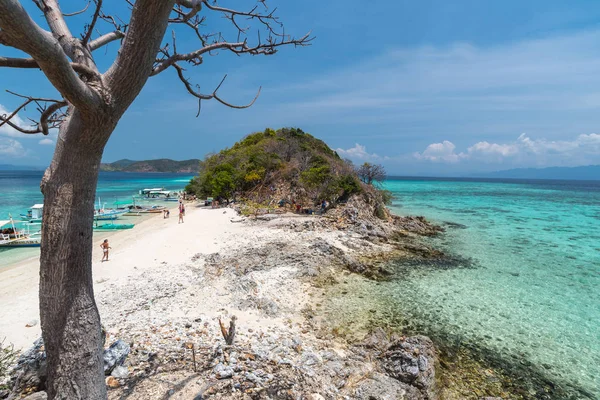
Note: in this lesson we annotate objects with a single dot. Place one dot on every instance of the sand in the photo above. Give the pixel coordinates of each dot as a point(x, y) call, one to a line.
point(134, 253)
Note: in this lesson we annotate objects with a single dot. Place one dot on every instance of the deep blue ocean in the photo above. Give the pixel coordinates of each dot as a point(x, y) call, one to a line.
point(532, 286)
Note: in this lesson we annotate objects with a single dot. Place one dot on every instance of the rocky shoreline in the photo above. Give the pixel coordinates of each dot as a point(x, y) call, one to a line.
point(273, 285)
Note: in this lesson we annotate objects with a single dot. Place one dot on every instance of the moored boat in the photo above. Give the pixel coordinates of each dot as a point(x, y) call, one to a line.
point(34, 214)
point(17, 234)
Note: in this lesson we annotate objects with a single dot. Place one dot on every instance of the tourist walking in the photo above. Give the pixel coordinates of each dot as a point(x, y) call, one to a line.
point(104, 246)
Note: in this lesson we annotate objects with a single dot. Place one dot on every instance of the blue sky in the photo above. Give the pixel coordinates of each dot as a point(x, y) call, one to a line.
point(425, 88)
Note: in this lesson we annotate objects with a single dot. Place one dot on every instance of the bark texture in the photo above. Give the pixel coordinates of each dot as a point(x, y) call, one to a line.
point(69, 315)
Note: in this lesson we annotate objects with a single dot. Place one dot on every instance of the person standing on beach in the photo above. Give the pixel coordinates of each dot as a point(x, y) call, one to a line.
point(104, 246)
point(181, 212)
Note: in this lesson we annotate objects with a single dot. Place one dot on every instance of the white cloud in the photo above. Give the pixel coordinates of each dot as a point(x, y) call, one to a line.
point(11, 148)
point(6, 129)
point(46, 142)
point(440, 152)
point(359, 152)
point(524, 151)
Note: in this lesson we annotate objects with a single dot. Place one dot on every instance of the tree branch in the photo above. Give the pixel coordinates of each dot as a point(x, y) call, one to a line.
point(58, 26)
point(23, 33)
point(90, 29)
point(133, 66)
point(105, 39)
point(213, 95)
point(48, 118)
point(78, 12)
point(31, 63)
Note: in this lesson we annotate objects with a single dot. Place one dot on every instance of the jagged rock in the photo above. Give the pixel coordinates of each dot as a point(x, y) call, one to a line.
point(30, 373)
point(411, 360)
point(115, 355)
point(4, 393)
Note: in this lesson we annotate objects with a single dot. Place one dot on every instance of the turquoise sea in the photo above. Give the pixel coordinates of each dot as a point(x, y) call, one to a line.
point(19, 190)
point(527, 284)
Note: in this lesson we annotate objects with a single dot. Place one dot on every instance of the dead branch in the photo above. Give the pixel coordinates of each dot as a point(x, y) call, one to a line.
point(213, 95)
point(105, 39)
point(228, 335)
point(31, 63)
point(78, 12)
point(90, 28)
point(48, 109)
point(20, 31)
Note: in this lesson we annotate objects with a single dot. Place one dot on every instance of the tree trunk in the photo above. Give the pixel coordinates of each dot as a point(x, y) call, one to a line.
point(69, 316)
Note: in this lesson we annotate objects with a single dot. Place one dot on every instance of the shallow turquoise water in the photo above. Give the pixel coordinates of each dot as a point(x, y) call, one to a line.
point(533, 289)
point(19, 190)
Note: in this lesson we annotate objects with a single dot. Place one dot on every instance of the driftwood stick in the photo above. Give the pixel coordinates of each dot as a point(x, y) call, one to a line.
point(228, 334)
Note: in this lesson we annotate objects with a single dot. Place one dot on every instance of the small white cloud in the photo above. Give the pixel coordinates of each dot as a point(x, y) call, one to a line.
point(11, 148)
point(46, 142)
point(359, 152)
point(6, 129)
point(440, 152)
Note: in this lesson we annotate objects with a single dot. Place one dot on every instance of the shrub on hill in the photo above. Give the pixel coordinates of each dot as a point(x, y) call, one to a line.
point(287, 164)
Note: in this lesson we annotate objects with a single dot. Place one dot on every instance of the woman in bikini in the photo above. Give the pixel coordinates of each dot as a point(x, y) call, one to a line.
point(104, 246)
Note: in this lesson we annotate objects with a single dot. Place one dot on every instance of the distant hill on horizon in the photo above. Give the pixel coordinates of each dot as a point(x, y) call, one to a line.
point(159, 165)
point(588, 172)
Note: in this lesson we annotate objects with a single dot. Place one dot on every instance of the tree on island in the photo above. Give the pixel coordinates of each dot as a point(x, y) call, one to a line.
point(369, 173)
point(87, 109)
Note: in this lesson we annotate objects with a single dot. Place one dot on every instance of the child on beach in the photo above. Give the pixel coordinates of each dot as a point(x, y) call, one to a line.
point(104, 246)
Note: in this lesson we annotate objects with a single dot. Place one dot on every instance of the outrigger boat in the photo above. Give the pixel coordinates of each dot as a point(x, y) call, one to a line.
point(34, 214)
point(135, 210)
point(10, 236)
point(102, 214)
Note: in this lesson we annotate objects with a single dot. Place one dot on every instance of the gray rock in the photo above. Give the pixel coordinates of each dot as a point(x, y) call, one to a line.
point(411, 361)
point(115, 355)
point(309, 358)
point(120, 372)
point(31, 369)
point(223, 371)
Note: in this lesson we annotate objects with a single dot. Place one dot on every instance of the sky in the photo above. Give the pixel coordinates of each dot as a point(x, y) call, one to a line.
point(425, 88)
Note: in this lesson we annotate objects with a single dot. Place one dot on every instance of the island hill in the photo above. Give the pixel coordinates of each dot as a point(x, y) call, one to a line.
point(283, 167)
point(160, 165)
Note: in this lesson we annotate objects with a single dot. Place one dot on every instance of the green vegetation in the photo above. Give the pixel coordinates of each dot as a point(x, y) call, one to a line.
point(285, 164)
point(160, 165)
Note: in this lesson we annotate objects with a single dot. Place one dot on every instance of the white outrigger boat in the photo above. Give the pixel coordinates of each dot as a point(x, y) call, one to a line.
point(34, 214)
point(11, 236)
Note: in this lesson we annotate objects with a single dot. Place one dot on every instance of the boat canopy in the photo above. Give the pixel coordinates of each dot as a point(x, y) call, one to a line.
point(35, 206)
point(2, 223)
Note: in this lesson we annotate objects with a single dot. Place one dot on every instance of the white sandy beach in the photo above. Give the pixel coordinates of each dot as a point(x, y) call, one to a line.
point(134, 252)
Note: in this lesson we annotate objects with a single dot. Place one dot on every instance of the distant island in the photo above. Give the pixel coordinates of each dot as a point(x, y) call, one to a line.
point(588, 172)
point(160, 165)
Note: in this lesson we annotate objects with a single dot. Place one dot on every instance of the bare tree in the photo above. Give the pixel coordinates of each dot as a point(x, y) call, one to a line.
point(88, 106)
point(369, 173)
